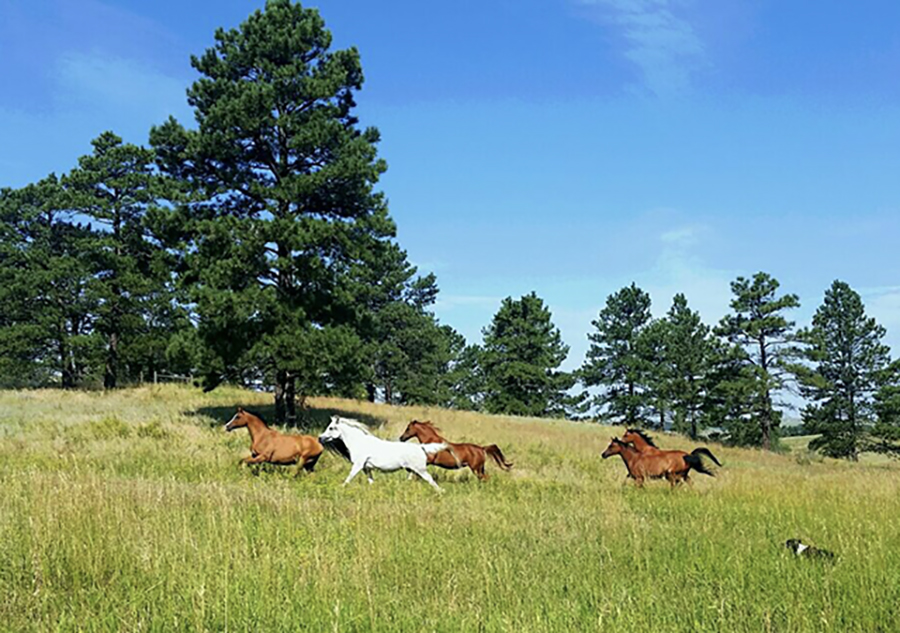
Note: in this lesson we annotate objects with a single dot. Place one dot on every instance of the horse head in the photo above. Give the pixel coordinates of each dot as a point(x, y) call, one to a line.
point(240, 419)
point(411, 431)
point(333, 431)
point(614, 448)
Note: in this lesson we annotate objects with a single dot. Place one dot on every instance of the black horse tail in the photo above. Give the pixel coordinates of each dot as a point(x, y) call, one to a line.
point(705, 451)
point(695, 462)
point(494, 451)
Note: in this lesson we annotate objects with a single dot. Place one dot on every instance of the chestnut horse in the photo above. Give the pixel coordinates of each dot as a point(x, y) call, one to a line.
point(642, 466)
point(456, 455)
point(644, 444)
point(268, 445)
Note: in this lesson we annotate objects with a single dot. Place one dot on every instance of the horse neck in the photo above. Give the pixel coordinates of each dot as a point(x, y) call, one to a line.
point(256, 427)
point(640, 443)
point(353, 436)
point(427, 434)
point(628, 456)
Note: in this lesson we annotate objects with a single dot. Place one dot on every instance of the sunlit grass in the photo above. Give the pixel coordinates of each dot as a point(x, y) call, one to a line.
point(129, 512)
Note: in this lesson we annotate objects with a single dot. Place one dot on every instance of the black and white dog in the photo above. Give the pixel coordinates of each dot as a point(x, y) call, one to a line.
point(801, 549)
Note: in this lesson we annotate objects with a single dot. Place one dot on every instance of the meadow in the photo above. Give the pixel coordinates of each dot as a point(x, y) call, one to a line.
point(128, 511)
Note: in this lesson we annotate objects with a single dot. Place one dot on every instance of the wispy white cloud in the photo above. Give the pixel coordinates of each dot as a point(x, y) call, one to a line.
point(450, 301)
point(657, 38)
point(116, 83)
point(884, 305)
point(678, 268)
point(91, 93)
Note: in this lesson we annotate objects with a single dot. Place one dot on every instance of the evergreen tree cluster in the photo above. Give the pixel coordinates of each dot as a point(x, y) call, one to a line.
point(254, 248)
point(677, 372)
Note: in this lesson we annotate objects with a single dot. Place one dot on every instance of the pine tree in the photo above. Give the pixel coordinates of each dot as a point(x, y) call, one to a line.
point(115, 186)
point(759, 327)
point(689, 358)
point(290, 219)
point(520, 360)
point(413, 356)
point(733, 394)
point(465, 380)
point(614, 360)
point(847, 360)
point(885, 435)
point(46, 314)
point(652, 349)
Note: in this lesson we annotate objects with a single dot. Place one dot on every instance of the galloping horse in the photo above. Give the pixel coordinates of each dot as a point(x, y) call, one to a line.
point(268, 445)
point(365, 451)
point(456, 455)
point(653, 466)
point(644, 444)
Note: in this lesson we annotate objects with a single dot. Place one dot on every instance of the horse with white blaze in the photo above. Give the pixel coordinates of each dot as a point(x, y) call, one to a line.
point(365, 451)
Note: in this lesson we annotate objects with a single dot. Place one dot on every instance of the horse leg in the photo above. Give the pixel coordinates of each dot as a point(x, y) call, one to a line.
point(427, 477)
point(354, 471)
point(369, 475)
point(310, 464)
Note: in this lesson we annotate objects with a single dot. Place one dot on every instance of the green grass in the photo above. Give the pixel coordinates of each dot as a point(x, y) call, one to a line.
point(129, 512)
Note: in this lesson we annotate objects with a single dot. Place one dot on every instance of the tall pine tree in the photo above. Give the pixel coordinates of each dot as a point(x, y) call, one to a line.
point(115, 186)
point(520, 361)
point(290, 219)
point(615, 361)
point(758, 326)
point(652, 350)
point(846, 362)
point(885, 436)
point(689, 357)
point(46, 311)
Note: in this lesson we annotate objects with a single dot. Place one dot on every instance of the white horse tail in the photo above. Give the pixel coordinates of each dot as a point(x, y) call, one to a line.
point(431, 449)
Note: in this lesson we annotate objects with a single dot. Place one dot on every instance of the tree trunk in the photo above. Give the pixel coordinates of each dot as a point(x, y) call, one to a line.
point(280, 388)
point(631, 416)
point(68, 374)
point(110, 377)
point(766, 417)
point(388, 393)
point(290, 398)
point(371, 390)
point(766, 422)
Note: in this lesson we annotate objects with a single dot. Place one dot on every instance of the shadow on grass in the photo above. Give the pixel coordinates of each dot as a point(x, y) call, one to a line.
point(309, 419)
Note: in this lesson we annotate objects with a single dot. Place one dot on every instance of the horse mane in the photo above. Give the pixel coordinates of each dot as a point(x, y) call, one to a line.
point(256, 415)
point(356, 424)
point(338, 446)
point(644, 436)
point(428, 423)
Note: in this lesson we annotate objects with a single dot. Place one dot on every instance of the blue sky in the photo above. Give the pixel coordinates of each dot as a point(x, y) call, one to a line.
point(564, 146)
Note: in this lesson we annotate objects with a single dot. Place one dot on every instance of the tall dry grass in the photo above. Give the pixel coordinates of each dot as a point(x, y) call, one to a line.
point(128, 511)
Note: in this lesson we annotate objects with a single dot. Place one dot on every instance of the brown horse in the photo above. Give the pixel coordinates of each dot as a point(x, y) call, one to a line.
point(457, 455)
point(644, 444)
point(643, 466)
point(268, 445)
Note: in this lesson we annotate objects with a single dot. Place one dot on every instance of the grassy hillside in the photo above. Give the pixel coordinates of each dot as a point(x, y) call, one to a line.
point(129, 512)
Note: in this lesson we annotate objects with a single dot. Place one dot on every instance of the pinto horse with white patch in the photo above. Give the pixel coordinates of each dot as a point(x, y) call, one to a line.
point(366, 452)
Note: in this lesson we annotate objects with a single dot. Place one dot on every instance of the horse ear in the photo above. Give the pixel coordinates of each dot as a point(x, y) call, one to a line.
point(240, 409)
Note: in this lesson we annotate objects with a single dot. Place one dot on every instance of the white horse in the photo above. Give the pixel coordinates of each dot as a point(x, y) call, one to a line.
point(367, 451)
